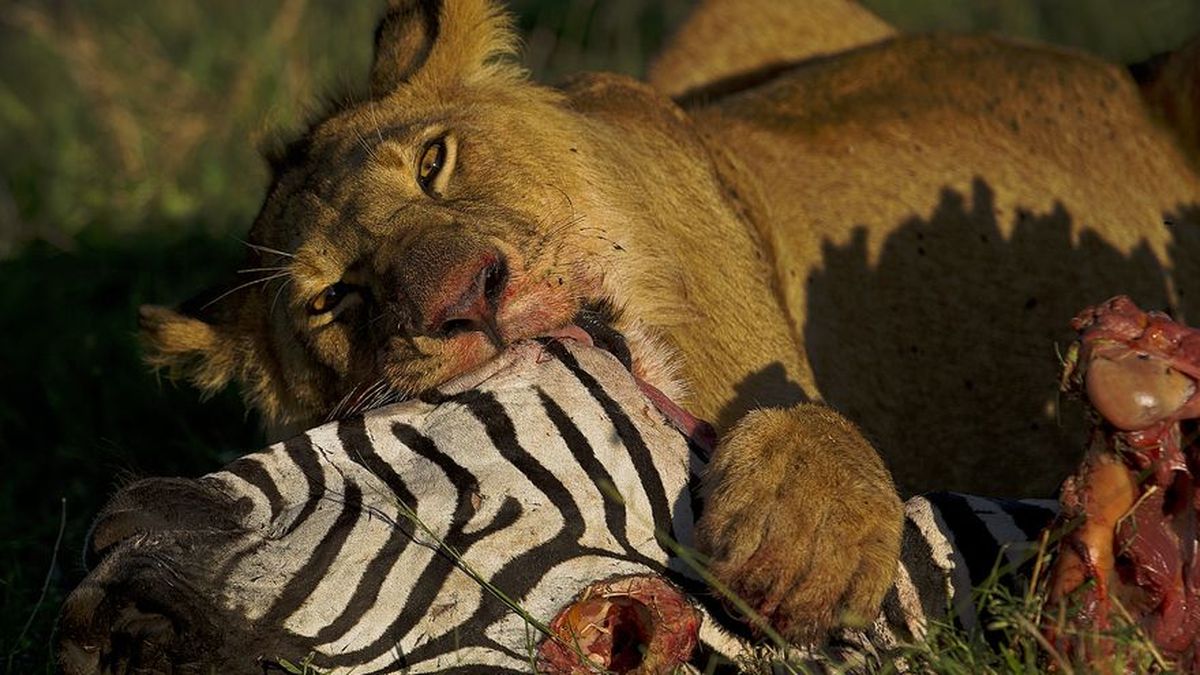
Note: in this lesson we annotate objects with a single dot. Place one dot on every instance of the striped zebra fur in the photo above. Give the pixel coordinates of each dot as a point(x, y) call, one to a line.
point(952, 543)
point(366, 544)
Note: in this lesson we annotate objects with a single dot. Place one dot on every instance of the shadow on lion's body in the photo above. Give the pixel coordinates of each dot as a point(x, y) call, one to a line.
point(937, 207)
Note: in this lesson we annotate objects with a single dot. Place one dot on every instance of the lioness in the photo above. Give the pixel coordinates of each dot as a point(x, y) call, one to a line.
point(900, 231)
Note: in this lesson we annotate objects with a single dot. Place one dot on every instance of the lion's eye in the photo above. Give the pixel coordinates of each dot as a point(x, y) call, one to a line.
point(328, 299)
point(431, 164)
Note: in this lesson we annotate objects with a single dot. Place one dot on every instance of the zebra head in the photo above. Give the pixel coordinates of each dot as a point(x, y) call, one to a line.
point(444, 535)
point(435, 534)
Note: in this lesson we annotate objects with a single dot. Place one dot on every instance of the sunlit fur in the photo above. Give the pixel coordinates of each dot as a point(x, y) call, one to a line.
point(769, 35)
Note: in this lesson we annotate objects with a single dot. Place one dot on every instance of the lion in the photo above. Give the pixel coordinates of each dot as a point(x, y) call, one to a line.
point(884, 243)
point(738, 40)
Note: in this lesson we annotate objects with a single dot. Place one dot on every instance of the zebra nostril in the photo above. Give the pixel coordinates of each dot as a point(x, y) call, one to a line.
point(102, 628)
point(141, 640)
point(455, 326)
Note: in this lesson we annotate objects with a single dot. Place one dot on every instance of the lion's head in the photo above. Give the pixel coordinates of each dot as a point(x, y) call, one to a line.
point(407, 236)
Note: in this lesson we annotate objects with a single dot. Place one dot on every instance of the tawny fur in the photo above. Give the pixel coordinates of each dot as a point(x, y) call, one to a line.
point(900, 231)
point(752, 546)
point(1172, 87)
point(728, 40)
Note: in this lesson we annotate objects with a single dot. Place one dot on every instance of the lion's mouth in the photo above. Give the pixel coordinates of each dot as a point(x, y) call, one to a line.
point(591, 326)
point(596, 319)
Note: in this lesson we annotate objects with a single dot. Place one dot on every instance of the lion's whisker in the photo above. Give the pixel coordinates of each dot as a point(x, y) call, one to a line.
point(375, 122)
point(566, 197)
point(562, 227)
point(280, 268)
point(241, 286)
point(362, 398)
point(336, 412)
point(278, 292)
point(362, 141)
point(367, 148)
point(380, 316)
point(266, 249)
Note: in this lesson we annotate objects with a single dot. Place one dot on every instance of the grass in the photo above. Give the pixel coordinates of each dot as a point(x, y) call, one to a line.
point(1010, 641)
point(128, 164)
point(1008, 637)
point(81, 412)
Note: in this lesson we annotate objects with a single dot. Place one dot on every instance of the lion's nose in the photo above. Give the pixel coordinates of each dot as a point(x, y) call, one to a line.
point(469, 298)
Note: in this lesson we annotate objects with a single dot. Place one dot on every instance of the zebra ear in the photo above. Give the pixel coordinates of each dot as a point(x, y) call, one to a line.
point(188, 347)
point(440, 42)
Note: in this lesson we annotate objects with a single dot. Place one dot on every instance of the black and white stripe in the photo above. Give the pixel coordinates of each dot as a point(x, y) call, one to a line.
point(952, 543)
point(380, 544)
point(551, 473)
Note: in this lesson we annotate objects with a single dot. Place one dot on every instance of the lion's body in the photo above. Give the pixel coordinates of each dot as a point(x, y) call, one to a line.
point(904, 232)
point(933, 211)
point(901, 231)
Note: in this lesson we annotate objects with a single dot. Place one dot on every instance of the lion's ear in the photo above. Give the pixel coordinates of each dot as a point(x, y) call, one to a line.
point(440, 42)
point(188, 347)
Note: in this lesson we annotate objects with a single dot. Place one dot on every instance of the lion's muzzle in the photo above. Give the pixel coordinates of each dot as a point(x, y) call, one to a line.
point(453, 283)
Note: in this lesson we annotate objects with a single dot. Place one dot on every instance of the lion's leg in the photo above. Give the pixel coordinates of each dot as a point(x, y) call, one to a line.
point(801, 520)
point(732, 39)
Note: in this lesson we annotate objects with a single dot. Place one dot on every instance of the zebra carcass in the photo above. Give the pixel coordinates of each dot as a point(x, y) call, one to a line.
point(451, 533)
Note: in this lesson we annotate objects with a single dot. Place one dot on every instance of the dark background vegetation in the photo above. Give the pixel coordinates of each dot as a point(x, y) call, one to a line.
point(129, 167)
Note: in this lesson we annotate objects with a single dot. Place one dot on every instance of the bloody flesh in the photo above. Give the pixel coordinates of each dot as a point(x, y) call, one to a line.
point(633, 624)
point(1130, 511)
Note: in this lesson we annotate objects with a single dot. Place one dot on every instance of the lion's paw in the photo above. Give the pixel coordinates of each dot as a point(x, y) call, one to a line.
point(801, 521)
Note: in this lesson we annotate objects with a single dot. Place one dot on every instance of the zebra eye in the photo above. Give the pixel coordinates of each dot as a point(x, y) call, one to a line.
point(330, 298)
point(432, 161)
